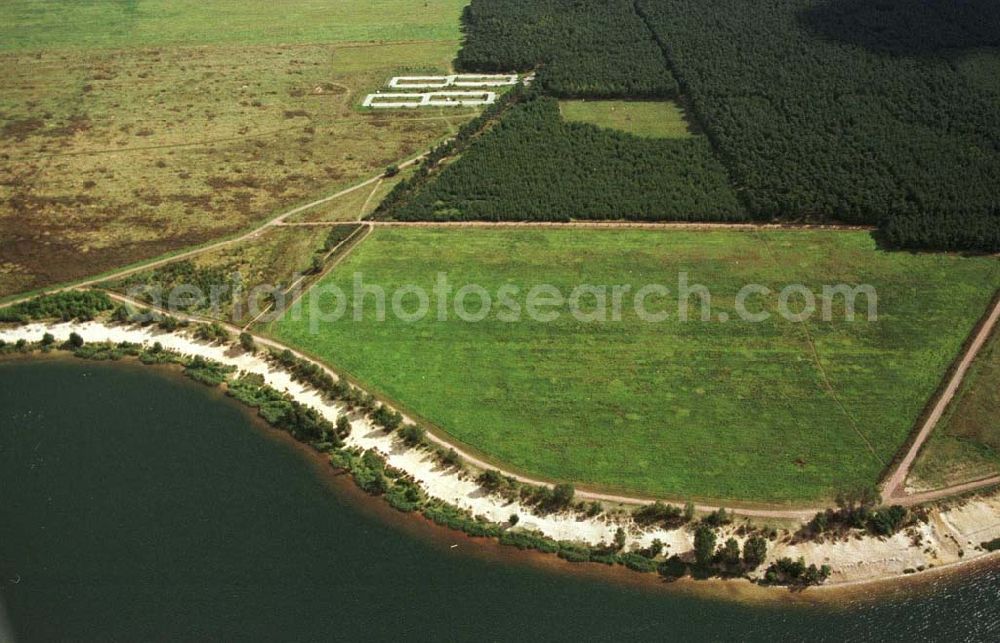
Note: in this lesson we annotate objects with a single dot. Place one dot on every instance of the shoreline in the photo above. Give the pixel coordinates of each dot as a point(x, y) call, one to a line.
point(947, 542)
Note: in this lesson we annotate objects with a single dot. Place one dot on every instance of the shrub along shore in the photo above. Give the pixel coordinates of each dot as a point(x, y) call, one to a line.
point(392, 459)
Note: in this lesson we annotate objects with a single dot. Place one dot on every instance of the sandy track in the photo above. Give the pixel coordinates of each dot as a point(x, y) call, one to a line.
point(275, 221)
point(639, 225)
point(893, 487)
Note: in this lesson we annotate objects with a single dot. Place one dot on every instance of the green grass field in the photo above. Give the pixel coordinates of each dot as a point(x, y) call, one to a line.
point(966, 444)
point(661, 119)
point(46, 24)
point(730, 411)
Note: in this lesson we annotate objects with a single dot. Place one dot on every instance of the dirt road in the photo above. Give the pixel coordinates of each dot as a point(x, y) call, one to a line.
point(275, 221)
point(639, 225)
point(893, 490)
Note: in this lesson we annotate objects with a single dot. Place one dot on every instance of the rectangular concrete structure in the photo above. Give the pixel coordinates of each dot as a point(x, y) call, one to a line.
point(454, 80)
point(429, 99)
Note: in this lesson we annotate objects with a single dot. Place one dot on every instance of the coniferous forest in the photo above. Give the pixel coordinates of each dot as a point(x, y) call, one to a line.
point(534, 165)
point(867, 112)
point(882, 113)
point(582, 49)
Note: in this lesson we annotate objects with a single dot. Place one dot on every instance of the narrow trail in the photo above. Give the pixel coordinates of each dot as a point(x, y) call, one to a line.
point(893, 488)
point(156, 263)
point(824, 376)
point(639, 225)
point(371, 195)
point(355, 239)
point(295, 284)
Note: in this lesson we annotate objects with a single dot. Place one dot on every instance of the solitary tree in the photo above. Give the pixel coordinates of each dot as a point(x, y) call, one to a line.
point(754, 551)
point(246, 341)
point(704, 545)
point(343, 426)
point(317, 265)
point(562, 495)
point(730, 553)
point(620, 539)
point(75, 340)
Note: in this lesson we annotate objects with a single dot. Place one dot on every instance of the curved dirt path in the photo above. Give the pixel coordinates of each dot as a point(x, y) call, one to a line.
point(156, 263)
point(893, 490)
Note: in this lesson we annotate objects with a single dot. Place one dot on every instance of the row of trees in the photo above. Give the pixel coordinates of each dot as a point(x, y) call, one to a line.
point(728, 556)
point(533, 165)
point(858, 509)
point(549, 499)
point(839, 113)
point(591, 49)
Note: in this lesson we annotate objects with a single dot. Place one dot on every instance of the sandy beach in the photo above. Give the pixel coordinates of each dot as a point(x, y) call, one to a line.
point(952, 534)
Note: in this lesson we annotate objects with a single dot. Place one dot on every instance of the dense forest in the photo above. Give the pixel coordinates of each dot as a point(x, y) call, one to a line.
point(592, 49)
point(534, 165)
point(885, 113)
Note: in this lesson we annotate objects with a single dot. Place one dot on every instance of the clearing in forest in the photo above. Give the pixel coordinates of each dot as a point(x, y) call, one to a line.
point(653, 119)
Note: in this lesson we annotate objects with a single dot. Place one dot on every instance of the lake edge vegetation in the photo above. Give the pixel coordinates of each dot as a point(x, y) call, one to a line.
point(371, 472)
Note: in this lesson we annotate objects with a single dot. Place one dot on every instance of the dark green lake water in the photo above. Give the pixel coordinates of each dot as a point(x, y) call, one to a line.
point(137, 505)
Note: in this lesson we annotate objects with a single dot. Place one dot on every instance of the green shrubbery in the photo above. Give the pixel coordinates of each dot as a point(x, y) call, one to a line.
point(857, 509)
point(213, 332)
point(70, 305)
point(786, 571)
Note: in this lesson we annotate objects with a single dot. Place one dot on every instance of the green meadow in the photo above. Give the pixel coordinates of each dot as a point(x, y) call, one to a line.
point(37, 24)
point(737, 411)
point(651, 119)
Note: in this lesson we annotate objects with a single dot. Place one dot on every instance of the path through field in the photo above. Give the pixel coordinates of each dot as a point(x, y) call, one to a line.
point(892, 488)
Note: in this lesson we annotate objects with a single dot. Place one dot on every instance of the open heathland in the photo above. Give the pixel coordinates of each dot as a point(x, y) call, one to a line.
point(773, 411)
point(533, 164)
point(119, 145)
point(966, 444)
point(238, 281)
